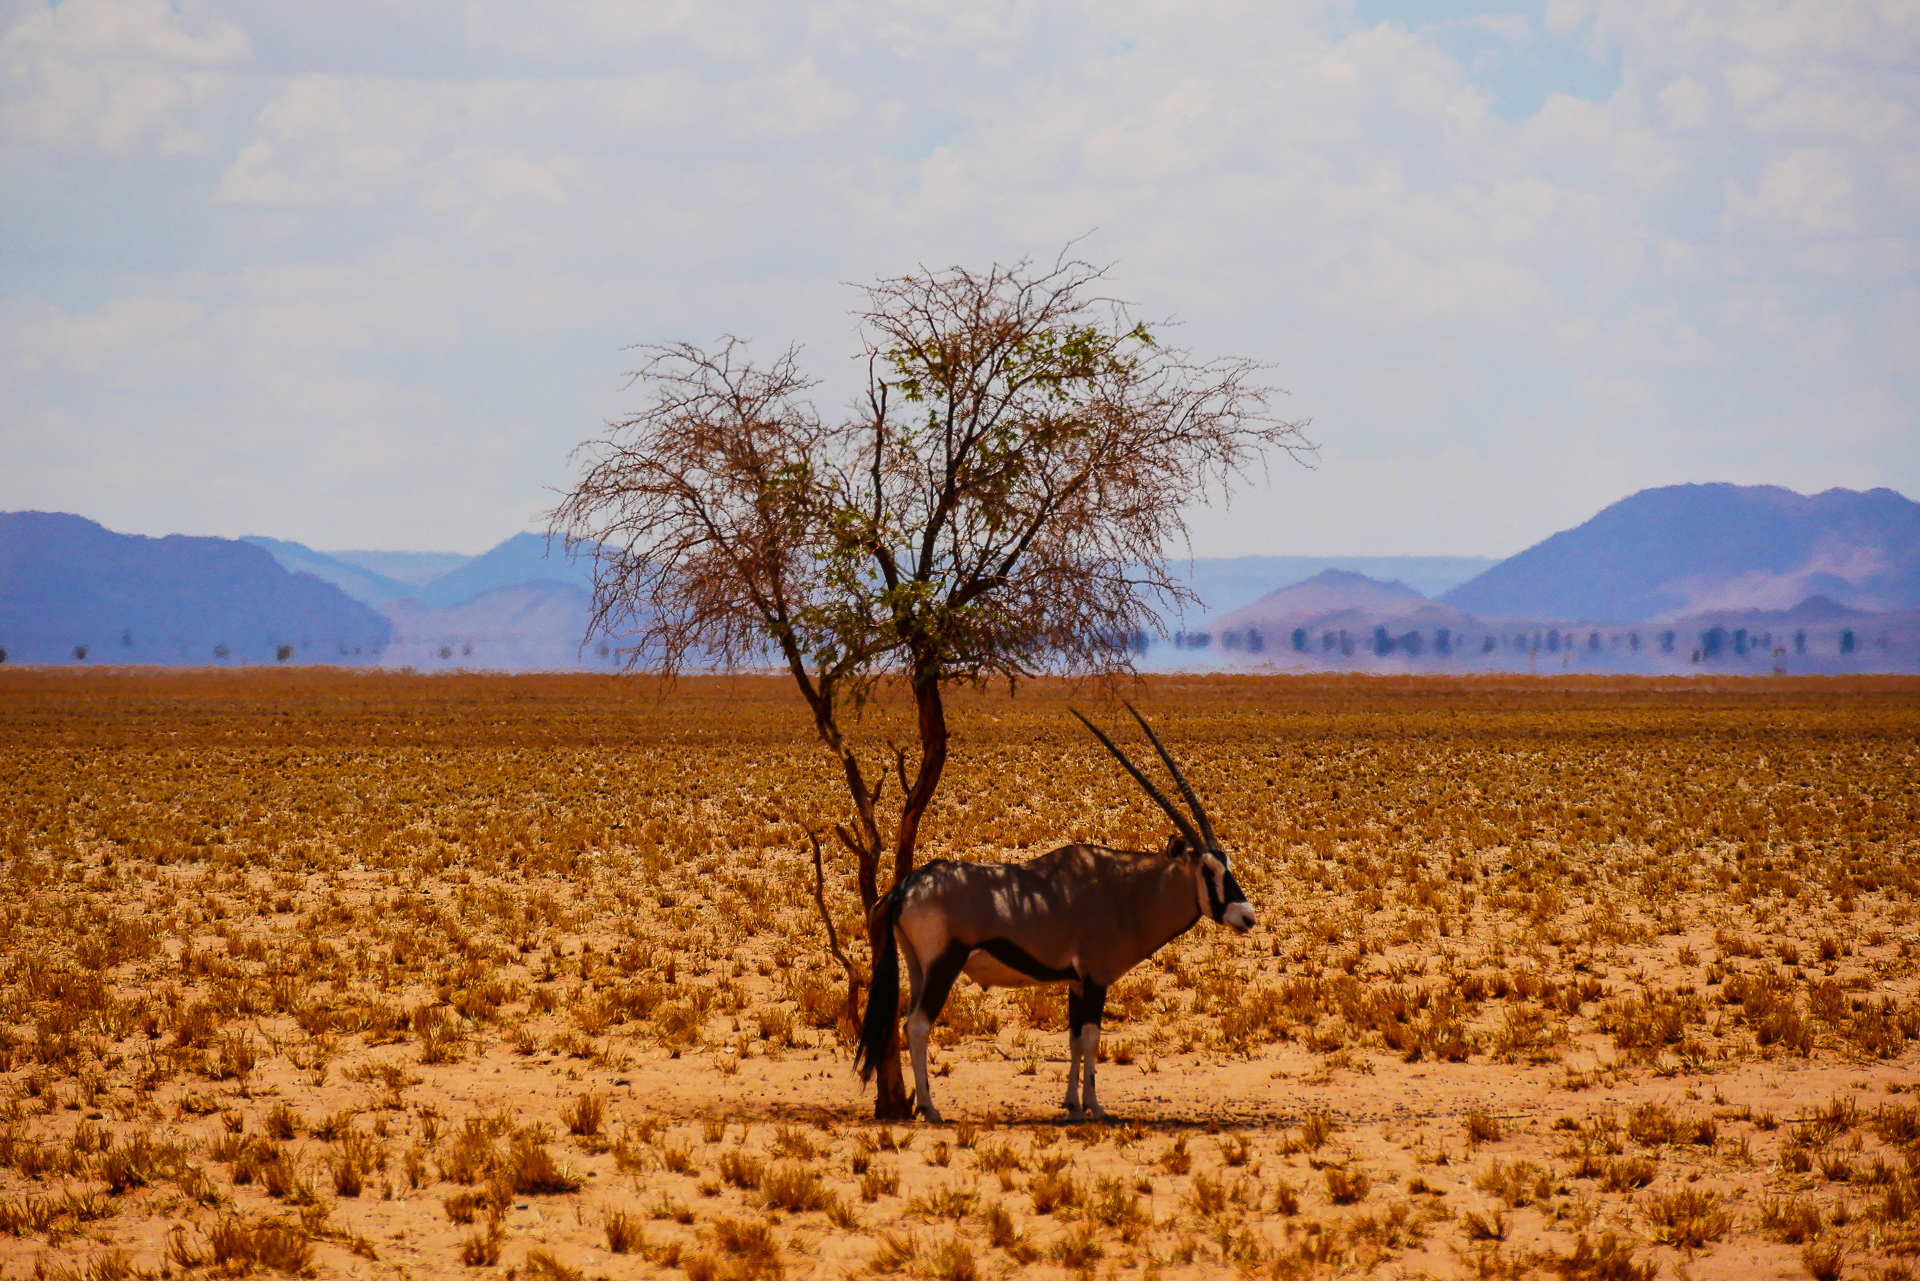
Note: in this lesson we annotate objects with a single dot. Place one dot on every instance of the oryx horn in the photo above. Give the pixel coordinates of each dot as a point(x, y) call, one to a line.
point(1199, 811)
point(1179, 820)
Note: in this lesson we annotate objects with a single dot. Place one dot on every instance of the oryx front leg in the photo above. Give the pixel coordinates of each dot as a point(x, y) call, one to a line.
point(1084, 1035)
point(1079, 1065)
point(1072, 1101)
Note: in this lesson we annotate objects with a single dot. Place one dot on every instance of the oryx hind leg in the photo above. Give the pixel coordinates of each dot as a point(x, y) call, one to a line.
point(930, 991)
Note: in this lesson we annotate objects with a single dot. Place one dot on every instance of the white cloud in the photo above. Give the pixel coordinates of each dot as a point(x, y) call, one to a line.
point(427, 255)
point(1808, 190)
point(112, 75)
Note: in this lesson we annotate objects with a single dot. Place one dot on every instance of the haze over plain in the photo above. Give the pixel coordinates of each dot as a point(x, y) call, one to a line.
point(360, 275)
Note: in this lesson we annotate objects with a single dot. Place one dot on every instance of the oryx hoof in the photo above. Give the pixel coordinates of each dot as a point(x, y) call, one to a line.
point(928, 1112)
point(1073, 1109)
point(1095, 1112)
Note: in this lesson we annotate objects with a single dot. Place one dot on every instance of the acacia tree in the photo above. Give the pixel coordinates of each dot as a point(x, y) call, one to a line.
point(997, 505)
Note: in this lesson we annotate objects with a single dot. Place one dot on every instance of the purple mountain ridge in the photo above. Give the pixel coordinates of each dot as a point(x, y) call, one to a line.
point(69, 586)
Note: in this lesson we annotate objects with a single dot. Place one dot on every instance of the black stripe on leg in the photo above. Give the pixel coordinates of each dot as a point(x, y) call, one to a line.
point(940, 978)
point(1094, 1004)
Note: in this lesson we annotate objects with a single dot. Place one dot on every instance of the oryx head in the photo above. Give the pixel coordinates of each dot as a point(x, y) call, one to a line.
point(1218, 892)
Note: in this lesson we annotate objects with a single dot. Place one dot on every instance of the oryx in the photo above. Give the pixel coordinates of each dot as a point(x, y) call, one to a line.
point(1082, 915)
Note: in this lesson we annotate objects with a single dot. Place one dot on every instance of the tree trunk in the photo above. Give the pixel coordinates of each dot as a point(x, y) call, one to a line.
point(892, 1102)
point(933, 762)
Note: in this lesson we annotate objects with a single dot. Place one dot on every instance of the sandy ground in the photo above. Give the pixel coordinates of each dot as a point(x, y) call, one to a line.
point(201, 937)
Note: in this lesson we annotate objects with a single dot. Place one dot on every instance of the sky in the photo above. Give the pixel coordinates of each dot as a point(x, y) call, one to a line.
point(363, 274)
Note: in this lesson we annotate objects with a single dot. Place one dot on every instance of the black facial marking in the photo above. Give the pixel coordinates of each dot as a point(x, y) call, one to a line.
point(1015, 958)
point(1216, 907)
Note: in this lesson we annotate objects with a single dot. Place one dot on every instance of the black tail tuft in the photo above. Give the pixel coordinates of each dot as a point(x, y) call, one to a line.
point(883, 996)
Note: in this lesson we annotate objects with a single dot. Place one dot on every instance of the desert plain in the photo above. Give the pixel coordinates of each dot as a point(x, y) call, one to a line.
point(338, 973)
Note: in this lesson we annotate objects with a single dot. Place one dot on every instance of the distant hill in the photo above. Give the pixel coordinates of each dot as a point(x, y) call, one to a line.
point(1689, 549)
point(67, 582)
point(1329, 591)
point(360, 583)
point(524, 558)
point(416, 569)
point(1229, 582)
point(533, 626)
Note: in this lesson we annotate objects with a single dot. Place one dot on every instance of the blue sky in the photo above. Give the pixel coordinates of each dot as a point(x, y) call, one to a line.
point(1515, 55)
point(361, 274)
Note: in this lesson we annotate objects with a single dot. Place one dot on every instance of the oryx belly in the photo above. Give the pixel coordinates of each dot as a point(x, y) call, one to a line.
point(983, 969)
point(1000, 962)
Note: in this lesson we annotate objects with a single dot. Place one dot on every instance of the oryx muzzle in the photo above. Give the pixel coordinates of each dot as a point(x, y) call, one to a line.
point(1082, 915)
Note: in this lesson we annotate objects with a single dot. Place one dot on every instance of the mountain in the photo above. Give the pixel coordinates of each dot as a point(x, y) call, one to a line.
point(1228, 582)
point(524, 558)
point(360, 583)
point(72, 589)
point(531, 626)
point(416, 569)
point(1689, 549)
point(1330, 591)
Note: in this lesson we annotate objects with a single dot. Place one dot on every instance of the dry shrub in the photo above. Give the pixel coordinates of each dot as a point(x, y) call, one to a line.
point(530, 1168)
point(588, 1115)
point(791, 1141)
point(1392, 1229)
point(1002, 1231)
point(347, 1179)
point(1792, 1221)
point(1483, 1128)
point(1286, 1199)
point(897, 1250)
point(952, 1260)
point(540, 1265)
point(1686, 1219)
point(794, 1188)
point(997, 1158)
point(1517, 1183)
point(947, 1201)
point(749, 1245)
point(742, 1169)
point(269, 1243)
point(1053, 1189)
point(1611, 1259)
point(1624, 1174)
point(1825, 1259)
point(1488, 1227)
point(1115, 1208)
point(1346, 1186)
point(1078, 1250)
point(879, 1181)
point(1652, 1125)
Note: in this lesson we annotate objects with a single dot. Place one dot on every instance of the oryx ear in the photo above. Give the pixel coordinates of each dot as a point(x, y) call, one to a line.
point(1177, 846)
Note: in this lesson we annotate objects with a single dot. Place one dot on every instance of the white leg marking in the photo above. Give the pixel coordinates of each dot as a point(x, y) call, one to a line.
point(918, 1025)
point(1090, 1055)
point(1073, 1073)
